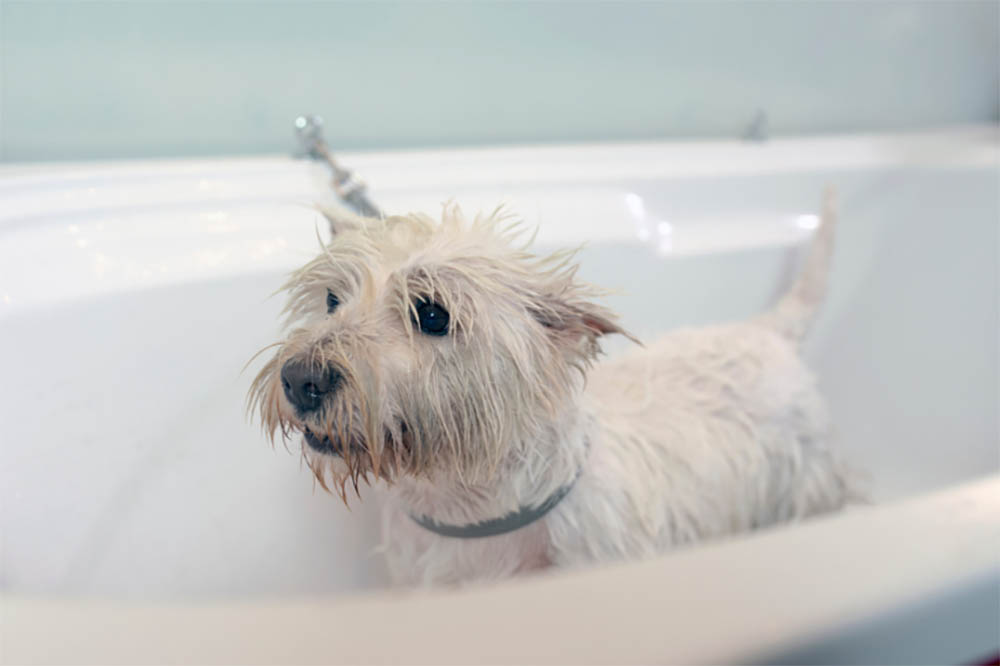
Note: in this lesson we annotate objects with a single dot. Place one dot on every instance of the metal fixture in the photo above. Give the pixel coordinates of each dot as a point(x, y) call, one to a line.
point(351, 190)
point(757, 129)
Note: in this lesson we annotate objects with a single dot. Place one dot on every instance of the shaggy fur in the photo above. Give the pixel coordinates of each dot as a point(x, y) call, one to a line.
point(705, 432)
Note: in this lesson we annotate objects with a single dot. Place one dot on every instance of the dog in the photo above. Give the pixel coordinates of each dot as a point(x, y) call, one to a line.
point(446, 359)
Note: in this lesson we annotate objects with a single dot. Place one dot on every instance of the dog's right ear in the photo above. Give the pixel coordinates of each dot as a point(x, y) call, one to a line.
point(340, 219)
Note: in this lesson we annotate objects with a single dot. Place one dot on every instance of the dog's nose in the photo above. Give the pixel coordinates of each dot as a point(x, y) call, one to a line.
point(306, 384)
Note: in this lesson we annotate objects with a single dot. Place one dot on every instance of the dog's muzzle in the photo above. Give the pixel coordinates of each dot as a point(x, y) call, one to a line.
point(306, 385)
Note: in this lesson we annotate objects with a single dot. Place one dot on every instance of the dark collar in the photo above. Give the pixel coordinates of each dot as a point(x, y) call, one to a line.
point(514, 520)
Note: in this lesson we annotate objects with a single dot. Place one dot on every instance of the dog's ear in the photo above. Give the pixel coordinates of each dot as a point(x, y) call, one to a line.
point(577, 323)
point(340, 219)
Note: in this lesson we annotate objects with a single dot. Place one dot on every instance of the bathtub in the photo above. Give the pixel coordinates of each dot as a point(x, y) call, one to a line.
point(146, 520)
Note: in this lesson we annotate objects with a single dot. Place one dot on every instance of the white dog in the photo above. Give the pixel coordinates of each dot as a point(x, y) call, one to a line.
point(451, 362)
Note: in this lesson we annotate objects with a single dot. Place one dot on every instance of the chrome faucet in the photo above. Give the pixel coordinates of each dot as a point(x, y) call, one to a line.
point(351, 190)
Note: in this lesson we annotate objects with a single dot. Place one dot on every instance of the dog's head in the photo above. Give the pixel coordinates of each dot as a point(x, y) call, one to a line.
point(419, 347)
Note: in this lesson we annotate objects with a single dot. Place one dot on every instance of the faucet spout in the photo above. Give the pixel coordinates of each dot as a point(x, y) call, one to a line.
point(351, 190)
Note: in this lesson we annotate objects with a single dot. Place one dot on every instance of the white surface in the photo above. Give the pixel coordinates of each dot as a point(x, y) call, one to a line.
point(131, 295)
point(836, 590)
point(206, 219)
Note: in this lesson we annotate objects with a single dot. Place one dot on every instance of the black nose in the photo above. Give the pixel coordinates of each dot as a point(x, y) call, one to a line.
point(306, 384)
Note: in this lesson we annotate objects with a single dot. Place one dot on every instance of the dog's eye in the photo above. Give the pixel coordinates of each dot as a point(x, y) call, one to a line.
point(431, 318)
point(331, 302)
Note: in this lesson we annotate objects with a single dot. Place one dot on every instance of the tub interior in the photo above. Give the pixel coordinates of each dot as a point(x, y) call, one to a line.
point(129, 469)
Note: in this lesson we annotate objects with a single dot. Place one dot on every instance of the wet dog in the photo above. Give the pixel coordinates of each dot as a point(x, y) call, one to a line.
point(446, 359)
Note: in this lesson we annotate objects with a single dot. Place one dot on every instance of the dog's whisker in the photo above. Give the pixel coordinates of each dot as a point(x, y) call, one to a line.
point(261, 351)
point(354, 482)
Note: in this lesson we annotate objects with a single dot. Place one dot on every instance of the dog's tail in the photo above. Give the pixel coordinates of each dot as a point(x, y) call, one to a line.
point(794, 313)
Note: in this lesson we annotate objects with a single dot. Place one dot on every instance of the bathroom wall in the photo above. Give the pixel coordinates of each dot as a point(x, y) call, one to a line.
point(133, 79)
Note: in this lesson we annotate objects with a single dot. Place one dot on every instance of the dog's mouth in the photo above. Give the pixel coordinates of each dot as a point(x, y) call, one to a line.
point(322, 443)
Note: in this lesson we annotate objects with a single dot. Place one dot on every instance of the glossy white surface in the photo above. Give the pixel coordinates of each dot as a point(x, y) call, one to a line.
point(131, 295)
point(847, 589)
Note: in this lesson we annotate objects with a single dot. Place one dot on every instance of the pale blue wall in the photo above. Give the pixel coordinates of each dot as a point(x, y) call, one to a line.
point(98, 79)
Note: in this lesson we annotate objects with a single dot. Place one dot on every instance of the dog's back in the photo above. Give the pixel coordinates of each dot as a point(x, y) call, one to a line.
point(707, 432)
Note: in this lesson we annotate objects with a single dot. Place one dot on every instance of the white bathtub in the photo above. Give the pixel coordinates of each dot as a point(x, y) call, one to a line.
point(134, 494)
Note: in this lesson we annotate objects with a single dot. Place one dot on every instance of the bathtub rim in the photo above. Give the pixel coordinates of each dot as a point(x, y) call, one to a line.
point(959, 145)
point(867, 582)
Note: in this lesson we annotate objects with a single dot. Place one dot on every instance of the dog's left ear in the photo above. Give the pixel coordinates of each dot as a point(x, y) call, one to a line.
point(341, 219)
point(574, 322)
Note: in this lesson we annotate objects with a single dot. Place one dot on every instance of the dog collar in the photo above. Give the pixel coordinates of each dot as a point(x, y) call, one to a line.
point(514, 520)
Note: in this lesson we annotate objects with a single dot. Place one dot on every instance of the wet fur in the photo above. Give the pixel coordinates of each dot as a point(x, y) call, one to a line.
point(706, 432)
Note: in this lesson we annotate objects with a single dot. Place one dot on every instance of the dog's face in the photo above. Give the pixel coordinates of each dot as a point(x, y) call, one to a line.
point(418, 347)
